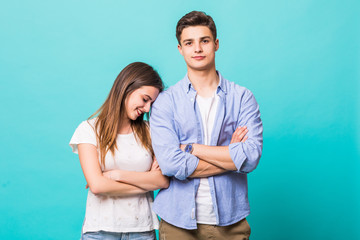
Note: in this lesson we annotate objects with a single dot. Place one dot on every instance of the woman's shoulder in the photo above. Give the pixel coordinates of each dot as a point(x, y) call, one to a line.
point(86, 127)
point(84, 133)
point(88, 124)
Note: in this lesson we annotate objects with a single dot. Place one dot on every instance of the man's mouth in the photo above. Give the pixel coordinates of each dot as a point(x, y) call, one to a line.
point(198, 57)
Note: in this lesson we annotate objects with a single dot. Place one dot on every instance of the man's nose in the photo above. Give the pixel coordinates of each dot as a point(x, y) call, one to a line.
point(198, 48)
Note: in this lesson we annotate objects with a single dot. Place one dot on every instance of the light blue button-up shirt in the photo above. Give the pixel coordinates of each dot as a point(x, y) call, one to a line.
point(175, 119)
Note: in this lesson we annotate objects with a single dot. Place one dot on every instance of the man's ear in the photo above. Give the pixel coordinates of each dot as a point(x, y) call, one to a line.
point(216, 44)
point(180, 49)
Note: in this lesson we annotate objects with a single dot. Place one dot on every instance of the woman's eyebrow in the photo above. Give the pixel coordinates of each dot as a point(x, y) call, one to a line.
point(148, 97)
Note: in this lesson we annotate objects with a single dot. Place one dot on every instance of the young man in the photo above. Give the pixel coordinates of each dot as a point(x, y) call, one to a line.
point(198, 129)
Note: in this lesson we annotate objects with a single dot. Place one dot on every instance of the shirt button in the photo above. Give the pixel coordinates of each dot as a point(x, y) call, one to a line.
point(192, 99)
point(193, 213)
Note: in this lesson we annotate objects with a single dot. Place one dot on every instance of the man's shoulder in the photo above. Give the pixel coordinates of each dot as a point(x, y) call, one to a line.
point(169, 93)
point(176, 88)
point(167, 96)
point(234, 89)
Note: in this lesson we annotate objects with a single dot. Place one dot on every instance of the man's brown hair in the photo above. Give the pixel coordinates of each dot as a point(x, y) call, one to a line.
point(195, 18)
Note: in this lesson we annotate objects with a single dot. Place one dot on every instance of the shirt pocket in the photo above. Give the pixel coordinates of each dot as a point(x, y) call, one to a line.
point(186, 128)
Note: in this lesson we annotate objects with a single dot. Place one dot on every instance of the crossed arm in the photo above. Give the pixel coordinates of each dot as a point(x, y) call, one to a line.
point(150, 180)
point(112, 183)
point(214, 160)
point(205, 160)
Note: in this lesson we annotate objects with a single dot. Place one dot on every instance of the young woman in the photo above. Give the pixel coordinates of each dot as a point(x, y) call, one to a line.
point(118, 161)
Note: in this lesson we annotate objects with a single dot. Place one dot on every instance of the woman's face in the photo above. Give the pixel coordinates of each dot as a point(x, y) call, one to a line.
point(139, 101)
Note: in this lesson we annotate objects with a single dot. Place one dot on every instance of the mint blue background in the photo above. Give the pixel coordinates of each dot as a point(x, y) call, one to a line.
point(58, 60)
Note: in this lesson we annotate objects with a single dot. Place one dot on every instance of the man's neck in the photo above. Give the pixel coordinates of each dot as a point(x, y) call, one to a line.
point(204, 82)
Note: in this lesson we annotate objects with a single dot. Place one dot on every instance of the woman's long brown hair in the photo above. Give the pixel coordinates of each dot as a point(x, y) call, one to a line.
point(109, 115)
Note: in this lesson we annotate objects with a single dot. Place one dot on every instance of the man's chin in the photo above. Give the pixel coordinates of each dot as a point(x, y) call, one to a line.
point(199, 67)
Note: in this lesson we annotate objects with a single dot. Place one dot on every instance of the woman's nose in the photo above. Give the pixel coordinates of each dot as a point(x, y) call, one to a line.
point(147, 107)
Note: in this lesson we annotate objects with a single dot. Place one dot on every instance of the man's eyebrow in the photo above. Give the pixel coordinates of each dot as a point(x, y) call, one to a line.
point(188, 40)
point(191, 39)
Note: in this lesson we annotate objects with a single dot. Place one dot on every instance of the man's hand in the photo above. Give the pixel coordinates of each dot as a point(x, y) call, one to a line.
point(182, 147)
point(239, 135)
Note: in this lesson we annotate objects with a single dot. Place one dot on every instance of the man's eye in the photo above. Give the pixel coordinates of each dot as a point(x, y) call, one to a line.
point(188, 43)
point(205, 41)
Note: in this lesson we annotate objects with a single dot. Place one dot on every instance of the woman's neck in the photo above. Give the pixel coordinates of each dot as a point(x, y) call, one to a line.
point(124, 126)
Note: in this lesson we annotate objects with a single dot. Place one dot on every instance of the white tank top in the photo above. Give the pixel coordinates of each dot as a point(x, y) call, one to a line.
point(204, 207)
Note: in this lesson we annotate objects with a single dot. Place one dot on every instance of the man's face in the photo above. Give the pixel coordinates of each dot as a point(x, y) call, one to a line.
point(198, 47)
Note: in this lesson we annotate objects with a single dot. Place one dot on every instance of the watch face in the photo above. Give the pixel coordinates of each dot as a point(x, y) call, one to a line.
point(188, 148)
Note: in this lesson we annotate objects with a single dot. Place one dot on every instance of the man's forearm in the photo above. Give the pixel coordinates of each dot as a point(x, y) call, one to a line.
point(216, 155)
point(205, 169)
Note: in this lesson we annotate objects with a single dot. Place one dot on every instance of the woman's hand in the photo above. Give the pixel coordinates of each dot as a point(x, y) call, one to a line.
point(115, 174)
point(120, 175)
point(148, 181)
point(155, 165)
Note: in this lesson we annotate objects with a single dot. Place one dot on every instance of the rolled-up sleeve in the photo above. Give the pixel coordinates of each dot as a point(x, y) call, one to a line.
point(165, 141)
point(246, 155)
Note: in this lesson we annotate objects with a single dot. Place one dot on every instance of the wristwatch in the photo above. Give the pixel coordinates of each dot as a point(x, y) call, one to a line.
point(189, 148)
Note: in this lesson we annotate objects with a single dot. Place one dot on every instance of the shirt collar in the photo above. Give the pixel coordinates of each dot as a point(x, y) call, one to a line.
point(187, 84)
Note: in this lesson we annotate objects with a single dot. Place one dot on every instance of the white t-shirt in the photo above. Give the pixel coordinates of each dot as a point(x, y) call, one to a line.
point(118, 214)
point(204, 207)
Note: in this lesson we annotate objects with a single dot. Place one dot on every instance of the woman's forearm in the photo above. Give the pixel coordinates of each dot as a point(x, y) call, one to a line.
point(151, 180)
point(108, 187)
point(98, 183)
